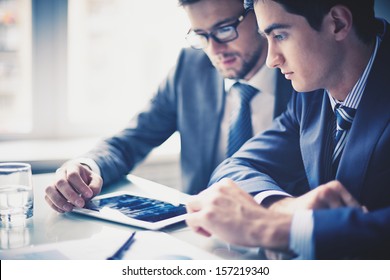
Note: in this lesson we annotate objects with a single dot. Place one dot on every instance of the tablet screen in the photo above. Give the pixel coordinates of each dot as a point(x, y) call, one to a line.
point(141, 208)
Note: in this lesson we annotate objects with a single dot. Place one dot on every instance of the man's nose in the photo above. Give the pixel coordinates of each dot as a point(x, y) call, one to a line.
point(274, 57)
point(215, 47)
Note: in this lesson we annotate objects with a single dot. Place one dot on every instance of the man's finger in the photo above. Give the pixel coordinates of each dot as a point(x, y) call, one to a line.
point(194, 221)
point(56, 200)
point(73, 176)
point(194, 204)
point(349, 200)
point(346, 198)
point(95, 185)
point(51, 204)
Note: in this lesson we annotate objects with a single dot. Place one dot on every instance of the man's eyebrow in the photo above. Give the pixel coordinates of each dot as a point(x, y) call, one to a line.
point(217, 24)
point(274, 26)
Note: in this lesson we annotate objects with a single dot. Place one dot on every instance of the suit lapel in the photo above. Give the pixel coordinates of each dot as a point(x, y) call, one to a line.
point(283, 93)
point(212, 111)
point(371, 118)
point(315, 138)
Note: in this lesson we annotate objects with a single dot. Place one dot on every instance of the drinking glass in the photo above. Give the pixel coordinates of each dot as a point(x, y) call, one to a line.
point(16, 194)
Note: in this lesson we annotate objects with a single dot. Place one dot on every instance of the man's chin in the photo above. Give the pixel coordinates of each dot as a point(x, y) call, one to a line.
point(299, 87)
point(230, 74)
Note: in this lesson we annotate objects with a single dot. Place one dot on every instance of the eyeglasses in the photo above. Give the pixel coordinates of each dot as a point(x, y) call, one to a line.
point(221, 34)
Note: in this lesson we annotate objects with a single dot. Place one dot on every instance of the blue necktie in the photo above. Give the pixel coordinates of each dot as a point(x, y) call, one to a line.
point(344, 118)
point(240, 129)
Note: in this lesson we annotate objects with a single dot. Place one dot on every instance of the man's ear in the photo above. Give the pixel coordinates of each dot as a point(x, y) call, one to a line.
point(341, 21)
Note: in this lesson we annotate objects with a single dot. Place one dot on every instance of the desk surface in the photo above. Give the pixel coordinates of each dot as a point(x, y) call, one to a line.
point(49, 227)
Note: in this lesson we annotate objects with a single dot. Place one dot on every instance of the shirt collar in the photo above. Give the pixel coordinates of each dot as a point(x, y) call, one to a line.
point(354, 97)
point(261, 80)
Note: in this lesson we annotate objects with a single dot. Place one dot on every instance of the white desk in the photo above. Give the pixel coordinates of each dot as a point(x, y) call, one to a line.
point(79, 233)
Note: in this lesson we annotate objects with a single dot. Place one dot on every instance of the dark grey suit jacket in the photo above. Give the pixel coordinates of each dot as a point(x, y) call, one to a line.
point(190, 100)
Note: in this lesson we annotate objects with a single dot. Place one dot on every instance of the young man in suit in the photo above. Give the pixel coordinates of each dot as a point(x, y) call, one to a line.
point(335, 132)
point(197, 99)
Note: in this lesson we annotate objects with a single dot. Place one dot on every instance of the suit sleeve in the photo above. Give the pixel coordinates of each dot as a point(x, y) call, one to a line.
point(346, 233)
point(271, 160)
point(119, 154)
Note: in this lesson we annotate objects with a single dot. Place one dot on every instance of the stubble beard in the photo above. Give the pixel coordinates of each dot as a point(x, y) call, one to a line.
point(249, 61)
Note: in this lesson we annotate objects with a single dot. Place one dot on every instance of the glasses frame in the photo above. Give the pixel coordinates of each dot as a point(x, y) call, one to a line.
point(212, 35)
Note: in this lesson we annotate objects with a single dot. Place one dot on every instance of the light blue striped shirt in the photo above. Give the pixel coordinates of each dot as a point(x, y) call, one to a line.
point(301, 236)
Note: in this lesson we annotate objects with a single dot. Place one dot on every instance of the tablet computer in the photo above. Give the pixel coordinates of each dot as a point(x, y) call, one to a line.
point(134, 210)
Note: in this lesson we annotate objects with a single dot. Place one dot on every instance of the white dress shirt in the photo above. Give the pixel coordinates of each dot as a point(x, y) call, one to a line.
point(262, 105)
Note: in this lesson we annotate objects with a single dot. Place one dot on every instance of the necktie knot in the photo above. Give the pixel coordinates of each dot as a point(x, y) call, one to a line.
point(344, 117)
point(246, 92)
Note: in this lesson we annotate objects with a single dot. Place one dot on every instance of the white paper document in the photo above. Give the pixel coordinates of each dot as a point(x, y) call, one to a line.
point(147, 245)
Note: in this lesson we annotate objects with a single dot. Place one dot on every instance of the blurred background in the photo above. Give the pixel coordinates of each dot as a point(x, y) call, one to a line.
point(74, 71)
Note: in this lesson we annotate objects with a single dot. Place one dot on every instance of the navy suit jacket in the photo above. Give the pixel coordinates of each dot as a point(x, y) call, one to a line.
point(190, 100)
point(295, 148)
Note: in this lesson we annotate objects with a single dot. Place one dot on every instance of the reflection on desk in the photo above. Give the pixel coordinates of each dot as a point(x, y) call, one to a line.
point(50, 235)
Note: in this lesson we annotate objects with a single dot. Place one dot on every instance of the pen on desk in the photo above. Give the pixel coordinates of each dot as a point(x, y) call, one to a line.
point(119, 254)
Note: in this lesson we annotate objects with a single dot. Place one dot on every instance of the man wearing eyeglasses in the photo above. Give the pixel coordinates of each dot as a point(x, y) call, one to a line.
point(195, 99)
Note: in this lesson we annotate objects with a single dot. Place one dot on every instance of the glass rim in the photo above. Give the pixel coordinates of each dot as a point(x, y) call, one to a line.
point(14, 166)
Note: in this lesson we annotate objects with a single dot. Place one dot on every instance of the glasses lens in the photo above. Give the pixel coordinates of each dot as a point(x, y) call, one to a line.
point(196, 41)
point(225, 34)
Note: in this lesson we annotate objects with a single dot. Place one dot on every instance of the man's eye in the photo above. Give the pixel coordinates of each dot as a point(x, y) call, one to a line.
point(201, 34)
point(225, 29)
point(280, 37)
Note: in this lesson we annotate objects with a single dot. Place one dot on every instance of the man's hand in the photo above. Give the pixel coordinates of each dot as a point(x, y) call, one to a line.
point(330, 195)
point(230, 213)
point(74, 185)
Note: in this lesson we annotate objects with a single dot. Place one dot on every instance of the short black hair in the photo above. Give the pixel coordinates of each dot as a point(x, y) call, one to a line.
point(187, 2)
point(314, 11)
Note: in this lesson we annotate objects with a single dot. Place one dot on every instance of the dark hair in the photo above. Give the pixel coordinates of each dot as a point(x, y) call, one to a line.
point(187, 2)
point(314, 11)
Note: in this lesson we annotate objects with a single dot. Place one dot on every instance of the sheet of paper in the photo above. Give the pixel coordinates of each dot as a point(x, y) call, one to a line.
point(147, 245)
point(161, 246)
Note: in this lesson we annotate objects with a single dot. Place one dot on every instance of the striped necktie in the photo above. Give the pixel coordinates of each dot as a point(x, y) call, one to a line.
point(344, 118)
point(240, 129)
